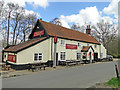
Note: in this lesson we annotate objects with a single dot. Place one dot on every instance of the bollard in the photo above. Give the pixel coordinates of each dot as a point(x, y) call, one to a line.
point(117, 71)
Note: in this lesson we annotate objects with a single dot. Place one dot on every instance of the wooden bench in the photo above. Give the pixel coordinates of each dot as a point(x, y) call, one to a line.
point(71, 64)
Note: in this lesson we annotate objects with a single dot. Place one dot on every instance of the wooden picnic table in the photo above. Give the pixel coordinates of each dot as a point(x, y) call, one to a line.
point(36, 66)
point(70, 62)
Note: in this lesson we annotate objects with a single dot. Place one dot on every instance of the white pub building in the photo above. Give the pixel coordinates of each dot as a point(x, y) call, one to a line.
point(52, 43)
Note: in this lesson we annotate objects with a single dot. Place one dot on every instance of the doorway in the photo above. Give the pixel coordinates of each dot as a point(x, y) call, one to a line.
point(90, 56)
point(95, 56)
point(57, 59)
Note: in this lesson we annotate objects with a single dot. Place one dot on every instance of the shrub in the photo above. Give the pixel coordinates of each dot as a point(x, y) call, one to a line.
point(115, 56)
point(114, 82)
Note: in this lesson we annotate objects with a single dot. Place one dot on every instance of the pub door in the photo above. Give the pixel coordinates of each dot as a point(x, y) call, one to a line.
point(57, 63)
point(95, 56)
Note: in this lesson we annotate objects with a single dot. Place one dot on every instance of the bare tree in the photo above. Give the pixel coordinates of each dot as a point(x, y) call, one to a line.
point(15, 23)
point(104, 32)
point(27, 24)
point(56, 21)
point(3, 22)
point(79, 28)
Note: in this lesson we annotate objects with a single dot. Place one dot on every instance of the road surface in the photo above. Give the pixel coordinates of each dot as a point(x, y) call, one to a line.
point(73, 77)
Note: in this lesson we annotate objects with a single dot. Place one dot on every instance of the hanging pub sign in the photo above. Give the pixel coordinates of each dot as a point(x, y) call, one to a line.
point(38, 33)
point(71, 46)
point(55, 39)
point(12, 58)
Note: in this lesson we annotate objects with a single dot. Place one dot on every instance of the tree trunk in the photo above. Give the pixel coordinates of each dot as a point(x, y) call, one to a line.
point(14, 34)
point(8, 29)
point(16, 39)
point(24, 36)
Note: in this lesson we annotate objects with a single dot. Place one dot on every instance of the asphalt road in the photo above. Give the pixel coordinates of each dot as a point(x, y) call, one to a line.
point(74, 77)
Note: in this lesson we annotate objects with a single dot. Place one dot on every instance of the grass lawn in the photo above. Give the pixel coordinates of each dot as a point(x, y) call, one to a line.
point(114, 82)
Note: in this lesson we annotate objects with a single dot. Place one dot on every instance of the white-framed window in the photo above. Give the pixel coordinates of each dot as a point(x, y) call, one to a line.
point(88, 44)
point(62, 56)
point(78, 56)
point(62, 42)
point(37, 56)
point(79, 44)
point(95, 46)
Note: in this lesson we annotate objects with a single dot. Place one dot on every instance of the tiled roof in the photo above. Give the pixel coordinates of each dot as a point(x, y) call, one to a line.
point(24, 45)
point(55, 30)
point(85, 48)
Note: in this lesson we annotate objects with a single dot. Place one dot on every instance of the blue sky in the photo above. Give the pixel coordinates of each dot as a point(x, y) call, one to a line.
point(72, 11)
point(56, 9)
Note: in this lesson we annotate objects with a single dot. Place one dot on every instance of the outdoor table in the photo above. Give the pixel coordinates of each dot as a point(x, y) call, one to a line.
point(63, 62)
point(37, 65)
point(77, 61)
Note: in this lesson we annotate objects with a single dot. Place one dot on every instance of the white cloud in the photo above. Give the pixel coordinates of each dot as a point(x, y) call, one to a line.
point(112, 9)
point(27, 12)
point(64, 23)
point(42, 3)
point(89, 15)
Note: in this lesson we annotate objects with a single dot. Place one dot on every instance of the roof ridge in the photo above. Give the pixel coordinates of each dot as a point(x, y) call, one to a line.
point(64, 27)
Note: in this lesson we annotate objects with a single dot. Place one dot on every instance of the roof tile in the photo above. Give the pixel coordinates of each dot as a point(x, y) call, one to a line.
point(23, 45)
point(55, 30)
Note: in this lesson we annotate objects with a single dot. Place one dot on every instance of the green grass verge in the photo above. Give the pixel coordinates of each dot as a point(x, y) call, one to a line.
point(114, 83)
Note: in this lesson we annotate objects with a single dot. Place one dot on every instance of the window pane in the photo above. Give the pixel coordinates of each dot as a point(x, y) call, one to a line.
point(40, 57)
point(40, 53)
point(62, 56)
point(62, 42)
point(35, 56)
point(78, 56)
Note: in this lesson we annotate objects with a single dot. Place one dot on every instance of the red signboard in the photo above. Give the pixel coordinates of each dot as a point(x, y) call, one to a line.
point(71, 46)
point(55, 39)
point(12, 58)
point(38, 33)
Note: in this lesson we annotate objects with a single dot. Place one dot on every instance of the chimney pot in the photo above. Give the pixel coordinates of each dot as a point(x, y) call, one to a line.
point(88, 26)
point(88, 30)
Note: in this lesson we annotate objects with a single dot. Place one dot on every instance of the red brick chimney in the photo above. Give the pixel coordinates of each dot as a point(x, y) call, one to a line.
point(88, 30)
